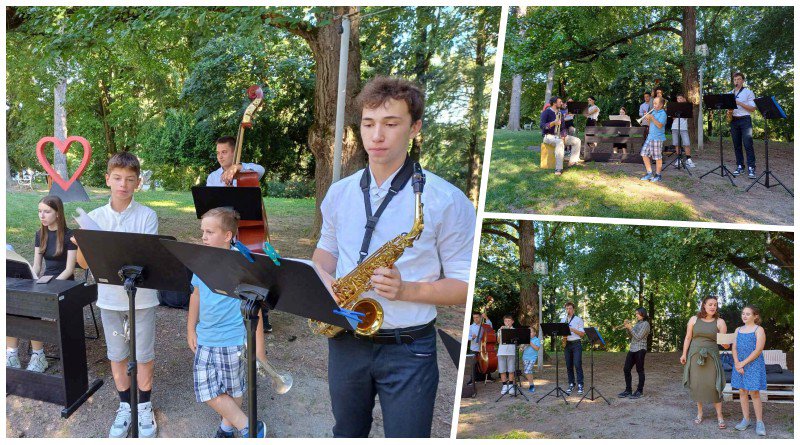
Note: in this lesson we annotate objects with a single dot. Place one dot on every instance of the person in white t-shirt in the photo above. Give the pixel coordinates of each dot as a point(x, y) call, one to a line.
point(573, 349)
point(124, 214)
point(506, 355)
point(398, 363)
point(680, 136)
point(742, 127)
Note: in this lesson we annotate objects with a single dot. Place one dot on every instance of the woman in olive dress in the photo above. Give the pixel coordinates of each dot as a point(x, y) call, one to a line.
point(702, 372)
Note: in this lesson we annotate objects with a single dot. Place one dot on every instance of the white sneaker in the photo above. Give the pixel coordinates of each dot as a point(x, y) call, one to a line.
point(689, 163)
point(511, 391)
point(122, 423)
point(38, 363)
point(147, 421)
point(504, 390)
point(12, 361)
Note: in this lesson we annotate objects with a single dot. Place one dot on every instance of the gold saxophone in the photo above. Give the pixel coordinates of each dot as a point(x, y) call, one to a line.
point(350, 287)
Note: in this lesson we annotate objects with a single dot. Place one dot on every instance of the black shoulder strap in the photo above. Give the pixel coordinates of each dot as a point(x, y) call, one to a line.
point(400, 180)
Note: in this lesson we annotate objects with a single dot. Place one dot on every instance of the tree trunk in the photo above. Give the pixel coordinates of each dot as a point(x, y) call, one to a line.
point(689, 74)
point(477, 106)
point(529, 288)
point(60, 125)
point(324, 44)
point(516, 88)
point(105, 109)
point(548, 92)
point(422, 61)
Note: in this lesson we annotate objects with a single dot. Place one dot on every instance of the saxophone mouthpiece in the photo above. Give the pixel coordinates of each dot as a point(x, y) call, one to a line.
point(418, 178)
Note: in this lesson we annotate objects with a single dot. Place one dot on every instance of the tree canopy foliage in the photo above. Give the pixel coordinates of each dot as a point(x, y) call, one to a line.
point(617, 53)
point(165, 82)
point(610, 270)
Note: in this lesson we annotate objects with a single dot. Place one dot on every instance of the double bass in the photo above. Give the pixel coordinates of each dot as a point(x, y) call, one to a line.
point(487, 338)
point(252, 233)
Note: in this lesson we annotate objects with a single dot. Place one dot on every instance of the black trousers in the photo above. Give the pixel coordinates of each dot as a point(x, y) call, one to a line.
point(636, 358)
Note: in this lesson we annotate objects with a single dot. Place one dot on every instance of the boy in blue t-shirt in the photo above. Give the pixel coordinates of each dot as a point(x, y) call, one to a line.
point(529, 357)
point(654, 144)
point(216, 333)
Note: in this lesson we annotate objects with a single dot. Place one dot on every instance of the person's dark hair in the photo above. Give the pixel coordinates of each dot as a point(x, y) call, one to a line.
point(380, 89)
point(569, 303)
point(643, 312)
point(124, 159)
point(55, 203)
point(592, 97)
point(647, 93)
point(739, 74)
point(702, 313)
point(680, 95)
point(230, 140)
point(508, 316)
point(474, 313)
point(625, 110)
point(227, 217)
point(756, 313)
point(553, 100)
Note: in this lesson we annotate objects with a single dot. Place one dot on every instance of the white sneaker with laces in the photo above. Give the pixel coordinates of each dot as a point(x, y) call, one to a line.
point(147, 421)
point(12, 361)
point(38, 363)
point(504, 390)
point(512, 391)
point(689, 163)
point(122, 423)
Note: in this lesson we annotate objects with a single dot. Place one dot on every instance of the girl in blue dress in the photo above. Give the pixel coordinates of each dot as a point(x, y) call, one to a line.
point(749, 375)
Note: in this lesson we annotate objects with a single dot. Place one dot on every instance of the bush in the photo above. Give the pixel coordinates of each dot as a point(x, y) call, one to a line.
point(290, 189)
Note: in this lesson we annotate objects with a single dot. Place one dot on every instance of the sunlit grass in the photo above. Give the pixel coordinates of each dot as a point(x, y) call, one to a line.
point(517, 184)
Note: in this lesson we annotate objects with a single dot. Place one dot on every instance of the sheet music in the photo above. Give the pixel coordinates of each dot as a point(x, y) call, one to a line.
point(85, 221)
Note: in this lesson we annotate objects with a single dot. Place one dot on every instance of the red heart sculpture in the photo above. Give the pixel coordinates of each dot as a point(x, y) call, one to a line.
point(63, 146)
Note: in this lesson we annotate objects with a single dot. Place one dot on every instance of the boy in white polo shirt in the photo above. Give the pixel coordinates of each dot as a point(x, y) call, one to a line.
point(124, 214)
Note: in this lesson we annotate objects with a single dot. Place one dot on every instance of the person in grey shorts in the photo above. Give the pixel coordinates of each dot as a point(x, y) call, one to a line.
point(506, 365)
point(680, 137)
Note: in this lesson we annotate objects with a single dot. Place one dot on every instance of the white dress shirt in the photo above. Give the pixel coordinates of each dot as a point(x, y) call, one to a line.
point(444, 249)
point(746, 97)
point(137, 218)
point(593, 112)
point(644, 108)
point(215, 177)
point(575, 323)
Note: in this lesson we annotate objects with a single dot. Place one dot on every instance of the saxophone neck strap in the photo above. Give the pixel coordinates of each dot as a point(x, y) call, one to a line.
point(400, 180)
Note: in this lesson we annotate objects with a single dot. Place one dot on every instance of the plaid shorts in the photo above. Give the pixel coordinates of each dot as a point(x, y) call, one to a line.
point(218, 370)
point(528, 365)
point(652, 149)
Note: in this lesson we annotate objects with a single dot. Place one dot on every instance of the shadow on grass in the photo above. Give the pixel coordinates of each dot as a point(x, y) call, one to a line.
point(517, 184)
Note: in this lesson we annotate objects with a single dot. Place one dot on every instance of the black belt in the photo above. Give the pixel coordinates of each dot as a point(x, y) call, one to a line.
point(400, 335)
point(573, 341)
point(740, 117)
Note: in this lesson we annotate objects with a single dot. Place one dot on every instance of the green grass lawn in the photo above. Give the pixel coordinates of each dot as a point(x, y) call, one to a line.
point(176, 215)
point(517, 184)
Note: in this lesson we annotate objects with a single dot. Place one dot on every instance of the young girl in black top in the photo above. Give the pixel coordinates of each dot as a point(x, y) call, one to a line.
point(54, 255)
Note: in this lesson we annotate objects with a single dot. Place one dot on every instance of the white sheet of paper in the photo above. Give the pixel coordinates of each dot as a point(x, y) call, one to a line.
point(85, 221)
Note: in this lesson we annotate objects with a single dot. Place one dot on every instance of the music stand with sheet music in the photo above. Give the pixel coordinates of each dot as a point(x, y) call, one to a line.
point(770, 109)
point(594, 339)
point(516, 337)
point(133, 261)
point(282, 284)
point(556, 330)
point(719, 102)
point(678, 111)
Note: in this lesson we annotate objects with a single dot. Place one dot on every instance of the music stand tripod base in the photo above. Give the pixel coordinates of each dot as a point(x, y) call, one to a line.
point(519, 335)
point(554, 330)
point(594, 338)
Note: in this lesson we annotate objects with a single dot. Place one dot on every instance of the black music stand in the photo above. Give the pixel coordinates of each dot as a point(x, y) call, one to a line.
point(291, 286)
point(132, 260)
point(516, 337)
point(245, 200)
point(555, 330)
point(719, 102)
point(678, 111)
point(594, 339)
point(452, 346)
point(770, 109)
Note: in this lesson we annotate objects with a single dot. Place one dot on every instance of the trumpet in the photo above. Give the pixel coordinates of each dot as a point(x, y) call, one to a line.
point(641, 119)
point(622, 326)
point(281, 383)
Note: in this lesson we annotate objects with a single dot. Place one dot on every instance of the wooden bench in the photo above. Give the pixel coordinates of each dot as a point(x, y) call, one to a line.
point(632, 136)
point(780, 392)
